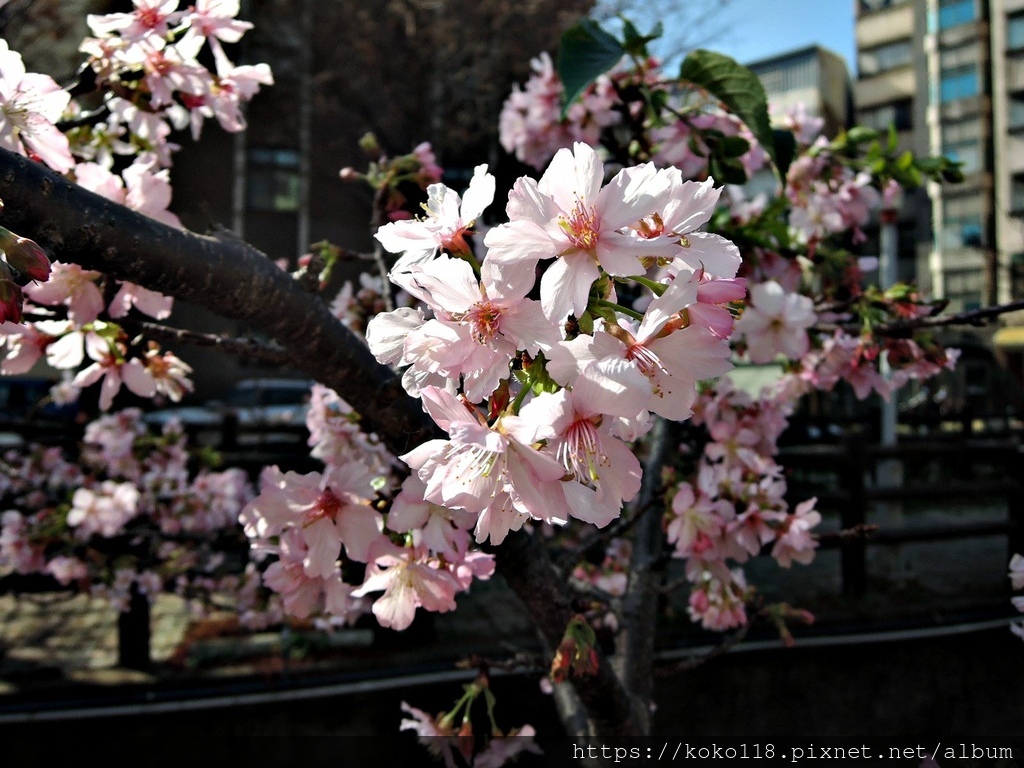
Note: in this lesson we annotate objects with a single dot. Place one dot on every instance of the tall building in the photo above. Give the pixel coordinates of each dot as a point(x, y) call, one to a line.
point(813, 76)
point(949, 75)
point(890, 91)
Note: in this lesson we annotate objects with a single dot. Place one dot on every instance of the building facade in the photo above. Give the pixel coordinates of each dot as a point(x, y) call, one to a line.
point(949, 75)
point(813, 76)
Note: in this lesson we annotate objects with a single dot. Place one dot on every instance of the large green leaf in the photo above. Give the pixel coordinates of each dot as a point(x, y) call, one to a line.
point(585, 53)
point(736, 87)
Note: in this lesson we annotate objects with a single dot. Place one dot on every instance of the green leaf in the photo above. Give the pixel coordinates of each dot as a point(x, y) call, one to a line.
point(859, 134)
point(635, 44)
point(736, 87)
point(785, 150)
point(952, 175)
point(735, 146)
point(585, 53)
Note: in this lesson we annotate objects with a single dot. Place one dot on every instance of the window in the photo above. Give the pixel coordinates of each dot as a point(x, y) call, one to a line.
point(1016, 112)
point(961, 233)
point(273, 180)
point(967, 152)
point(1017, 196)
point(890, 56)
point(961, 142)
point(866, 6)
point(790, 76)
point(1015, 32)
point(963, 287)
point(953, 13)
point(898, 114)
point(958, 83)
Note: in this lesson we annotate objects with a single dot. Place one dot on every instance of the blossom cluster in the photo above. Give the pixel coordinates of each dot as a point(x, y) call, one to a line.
point(317, 525)
point(539, 397)
point(146, 71)
point(823, 197)
point(68, 342)
point(148, 61)
point(531, 125)
point(130, 493)
point(735, 508)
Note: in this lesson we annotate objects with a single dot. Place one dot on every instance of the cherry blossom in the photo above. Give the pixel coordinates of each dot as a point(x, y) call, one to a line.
point(569, 215)
point(776, 322)
point(448, 222)
point(408, 581)
point(30, 106)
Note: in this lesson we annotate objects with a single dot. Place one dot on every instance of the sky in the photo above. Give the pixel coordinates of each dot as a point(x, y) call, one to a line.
point(758, 29)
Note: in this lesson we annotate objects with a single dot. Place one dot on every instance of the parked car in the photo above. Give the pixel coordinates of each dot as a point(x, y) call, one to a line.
point(252, 413)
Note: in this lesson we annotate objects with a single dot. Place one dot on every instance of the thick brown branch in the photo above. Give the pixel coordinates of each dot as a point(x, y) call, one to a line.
point(525, 564)
point(224, 275)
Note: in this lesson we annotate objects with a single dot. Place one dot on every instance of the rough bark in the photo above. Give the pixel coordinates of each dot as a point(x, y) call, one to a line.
point(635, 641)
point(525, 564)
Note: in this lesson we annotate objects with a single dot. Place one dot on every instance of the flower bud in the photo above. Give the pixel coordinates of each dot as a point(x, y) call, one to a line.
point(368, 143)
point(10, 301)
point(24, 255)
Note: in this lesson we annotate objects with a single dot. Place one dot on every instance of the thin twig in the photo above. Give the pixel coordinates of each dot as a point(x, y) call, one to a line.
point(585, 589)
point(859, 531)
point(85, 118)
point(720, 650)
point(520, 661)
point(247, 348)
point(568, 560)
point(672, 586)
point(974, 317)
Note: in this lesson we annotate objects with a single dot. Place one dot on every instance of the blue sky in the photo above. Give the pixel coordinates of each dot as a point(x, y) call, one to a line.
point(757, 29)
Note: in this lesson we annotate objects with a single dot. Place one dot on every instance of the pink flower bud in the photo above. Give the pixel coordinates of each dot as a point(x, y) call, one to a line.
point(25, 255)
point(10, 301)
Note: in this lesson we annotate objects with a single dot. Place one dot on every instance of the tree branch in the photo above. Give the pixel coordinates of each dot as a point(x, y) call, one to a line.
point(526, 565)
point(974, 317)
point(247, 348)
point(720, 650)
point(225, 275)
point(634, 645)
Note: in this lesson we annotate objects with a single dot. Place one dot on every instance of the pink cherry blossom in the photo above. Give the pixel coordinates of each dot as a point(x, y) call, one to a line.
point(103, 510)
point(776, 322)
point(150, 17)
point(72, 286)
point(330, 509)
point(303, 594)
point(1017, 572)
point(146, 301)
point(479, 463)
point(479, 325)
point(113, 370)
point(449, 220)
point(30, 106)
point(604, 472)
point(408, 581)
point(795, 542)
point(568, 216)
